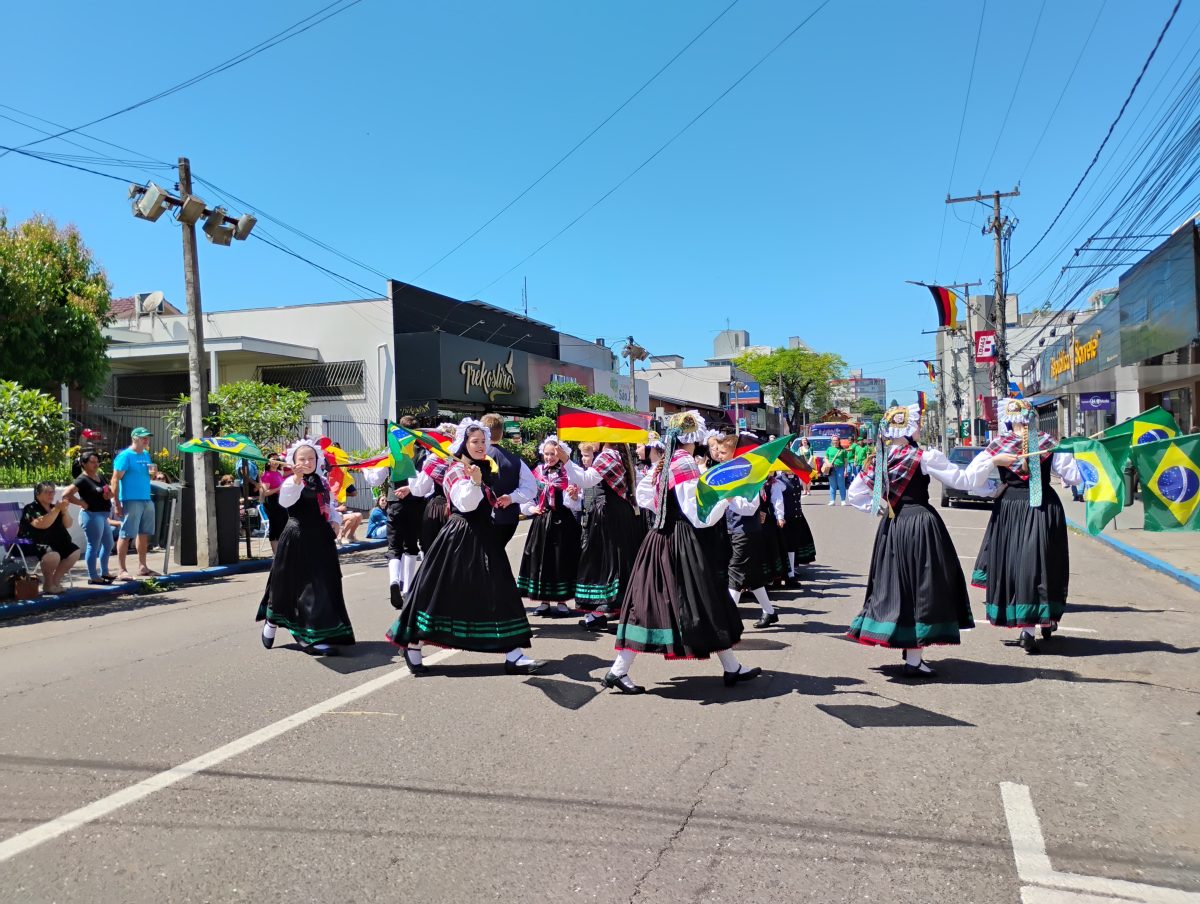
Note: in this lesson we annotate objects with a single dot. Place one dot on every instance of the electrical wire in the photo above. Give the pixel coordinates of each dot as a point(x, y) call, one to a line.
point(73, 166)
point(1016, 88)
point(661, 148)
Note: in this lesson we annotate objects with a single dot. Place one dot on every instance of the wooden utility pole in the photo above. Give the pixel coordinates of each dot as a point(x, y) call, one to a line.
point(1000, 226)
point(206, 508)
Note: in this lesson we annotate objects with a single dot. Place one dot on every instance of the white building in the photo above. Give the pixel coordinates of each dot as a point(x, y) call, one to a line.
point(846, 393)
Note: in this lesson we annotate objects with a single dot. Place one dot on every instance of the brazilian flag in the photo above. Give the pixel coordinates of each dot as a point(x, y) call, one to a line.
point(742, 476)
point(1147, 427)
point(401, 445)
point(1169, 470)
point(1100, 462)
point(234, 444)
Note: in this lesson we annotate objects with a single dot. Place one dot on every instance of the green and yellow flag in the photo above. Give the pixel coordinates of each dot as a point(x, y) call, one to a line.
point(1147, 427)
point(1100, 462)
point(742, 476)
point(1170, 474)
point(234, 444)
point(401, 445)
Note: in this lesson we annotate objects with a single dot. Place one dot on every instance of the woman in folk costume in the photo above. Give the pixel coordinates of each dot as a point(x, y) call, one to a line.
point(551, 558)
point(676, 607)
point(428, 484)
point(796, 537)
point(612, 539)
point(464, 595)
point(916, 593)
point(774, 559)
point(744, 523)
point(1024, 560)
point(304, 590)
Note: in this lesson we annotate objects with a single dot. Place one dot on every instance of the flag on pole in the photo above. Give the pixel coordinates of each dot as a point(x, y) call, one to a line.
point(1100, 462)
point(947, 306)
point(789, 461)
point(1169, 470)
point(930, 370)
point(1147, 427)
point(401, 447)
point(233, 444)
point(742, 476)
point(582, 425)
point(921, 401)
point(437, 443)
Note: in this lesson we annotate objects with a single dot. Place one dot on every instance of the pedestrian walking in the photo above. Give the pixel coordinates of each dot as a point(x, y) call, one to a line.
point(464, 595)
point(304, 589)
point(550, 561)
point(130, 486)
point(95, 496)
point(675, 607)
point(836, 459)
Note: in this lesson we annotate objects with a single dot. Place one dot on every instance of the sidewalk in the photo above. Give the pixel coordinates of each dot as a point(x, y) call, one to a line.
point(1176, 555)
point(83, 592)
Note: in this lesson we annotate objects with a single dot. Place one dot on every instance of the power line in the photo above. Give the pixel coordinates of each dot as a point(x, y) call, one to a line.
point(286, 35)
point(661, 148)
point(1108, 134)
point(582, 141)
point(1016, 88)
point(73, 166)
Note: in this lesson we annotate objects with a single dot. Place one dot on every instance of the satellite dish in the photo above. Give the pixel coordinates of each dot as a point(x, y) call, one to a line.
point(152, 303)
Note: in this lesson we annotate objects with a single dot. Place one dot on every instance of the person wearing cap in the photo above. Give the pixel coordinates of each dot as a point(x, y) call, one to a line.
point(133, 507)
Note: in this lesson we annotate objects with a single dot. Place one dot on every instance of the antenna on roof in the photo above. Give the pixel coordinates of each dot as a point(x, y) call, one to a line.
point(525, 296)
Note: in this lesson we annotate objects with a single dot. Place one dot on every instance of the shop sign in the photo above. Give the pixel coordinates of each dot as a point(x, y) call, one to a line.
point(1096, 401)
point(985, 346)
point(1074, 355)
point(492, 381)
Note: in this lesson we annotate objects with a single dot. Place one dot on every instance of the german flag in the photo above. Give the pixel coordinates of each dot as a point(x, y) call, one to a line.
point(582, 425)
point(947, 306)
point(921, 401)
point(929, 369)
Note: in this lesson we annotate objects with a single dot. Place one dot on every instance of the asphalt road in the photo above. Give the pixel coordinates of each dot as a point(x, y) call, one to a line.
point(831, 779)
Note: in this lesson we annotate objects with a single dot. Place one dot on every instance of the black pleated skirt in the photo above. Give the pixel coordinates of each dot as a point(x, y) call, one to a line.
point(1026, 559)
point(916, 592)
point(550, 562)
point(797, 537)
point(304, 589)
point(609, 549)
point(745, 571)
point(437, 512)
point(773, 560)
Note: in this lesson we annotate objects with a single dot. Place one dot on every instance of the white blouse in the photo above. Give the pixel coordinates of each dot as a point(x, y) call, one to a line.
point(685, 495)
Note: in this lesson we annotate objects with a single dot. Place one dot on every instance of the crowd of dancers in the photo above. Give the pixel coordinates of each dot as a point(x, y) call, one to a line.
point(618, 531)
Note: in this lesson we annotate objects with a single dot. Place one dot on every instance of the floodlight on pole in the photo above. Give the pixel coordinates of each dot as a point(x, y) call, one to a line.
point(216, 230)
point(191, 209)
point(245, 223)
point(151, 202)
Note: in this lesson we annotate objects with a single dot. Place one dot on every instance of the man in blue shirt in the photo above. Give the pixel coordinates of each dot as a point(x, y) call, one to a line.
point(132, 503)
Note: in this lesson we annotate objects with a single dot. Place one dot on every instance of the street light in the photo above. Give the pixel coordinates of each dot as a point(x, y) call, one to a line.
point(471, 327)
point(515, 341)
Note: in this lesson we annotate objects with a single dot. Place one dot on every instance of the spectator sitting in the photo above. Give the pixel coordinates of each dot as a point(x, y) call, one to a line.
point(44, 524)
point(225, 481)
point(377, 524)
point(351, 520)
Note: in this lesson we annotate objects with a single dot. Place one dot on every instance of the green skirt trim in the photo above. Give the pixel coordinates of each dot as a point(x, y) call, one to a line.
point(979, 578)
point(562, 590)
point(598, 591)
point(342, 632)
point(650, 637)
point(1025, 615)
point(471, 630)
point(889, 634)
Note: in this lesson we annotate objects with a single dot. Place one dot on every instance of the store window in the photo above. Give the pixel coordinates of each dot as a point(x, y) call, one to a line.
point(331, 380)
point(1179, 403)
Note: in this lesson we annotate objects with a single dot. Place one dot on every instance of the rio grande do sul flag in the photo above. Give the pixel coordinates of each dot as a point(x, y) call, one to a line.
point(742, 476)
point(1100, 465)
point(1169, 471)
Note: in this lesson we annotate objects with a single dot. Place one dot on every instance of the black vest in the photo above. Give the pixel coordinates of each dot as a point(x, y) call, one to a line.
point(506, 481)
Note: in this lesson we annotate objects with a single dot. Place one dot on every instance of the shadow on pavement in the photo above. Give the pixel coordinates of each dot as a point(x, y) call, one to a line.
point(966, 671)
point(1096, 607)
point(364, 655)
point(1071, 646)
point(901, 715)
point(709, 688)
point(131, 602)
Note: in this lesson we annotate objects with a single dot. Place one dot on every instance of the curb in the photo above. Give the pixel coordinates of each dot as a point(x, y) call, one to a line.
point(18, 608)
point(1143, 558)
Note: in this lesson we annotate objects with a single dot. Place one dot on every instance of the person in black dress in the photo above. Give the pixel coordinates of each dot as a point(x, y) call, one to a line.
point(744, 522)
point(464, 595)
point(787, 504)
point(304, 589)
point(550, 560)
point(916, 593)
point(42, 534)
point(676, 607)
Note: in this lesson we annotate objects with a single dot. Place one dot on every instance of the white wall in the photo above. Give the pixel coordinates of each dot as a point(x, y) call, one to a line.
point(701, 385)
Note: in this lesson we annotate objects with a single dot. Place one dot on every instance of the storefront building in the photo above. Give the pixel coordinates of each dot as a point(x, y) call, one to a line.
point(1140, 350)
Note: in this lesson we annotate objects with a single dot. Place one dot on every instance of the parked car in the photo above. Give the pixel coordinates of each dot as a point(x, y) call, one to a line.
point(962, 456)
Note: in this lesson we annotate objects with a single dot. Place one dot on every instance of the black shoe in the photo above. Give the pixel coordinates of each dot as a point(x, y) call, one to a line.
point(792, 582)
point(512, 668)
point(543, 609)
point(732, 678)
point(622, 684)
point(599, 623)
point(415, 667)
point(1048, 631)
point(397, 597)
point(767, 620)
point(916, 671)
point(267, 642)
point(559, 611)
point(1029, 644)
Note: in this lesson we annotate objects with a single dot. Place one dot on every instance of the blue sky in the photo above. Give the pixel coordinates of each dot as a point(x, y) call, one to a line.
point(797, 206)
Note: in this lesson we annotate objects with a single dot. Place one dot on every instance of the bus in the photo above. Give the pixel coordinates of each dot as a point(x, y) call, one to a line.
point(834, 429)
point(822, 436)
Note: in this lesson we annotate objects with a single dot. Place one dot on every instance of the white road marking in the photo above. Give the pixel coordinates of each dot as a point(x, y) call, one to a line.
point(68, 822)
point(1034, 869)
point(354, 575)
point(1077, 630)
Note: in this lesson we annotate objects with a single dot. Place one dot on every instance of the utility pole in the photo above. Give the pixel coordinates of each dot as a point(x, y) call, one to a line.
point(206, 498)
point(966, 287)
point(1000, 227)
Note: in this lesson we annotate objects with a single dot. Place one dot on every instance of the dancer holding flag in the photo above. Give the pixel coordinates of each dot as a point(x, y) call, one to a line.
point(916, 594)
point(1024, 561)
point(551, 558)
point(675, 606)
point(405, 511)
point(464, 596)
point(428, 485)
point(747, 542)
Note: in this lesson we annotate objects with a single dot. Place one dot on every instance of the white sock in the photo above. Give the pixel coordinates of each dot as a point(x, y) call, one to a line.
point(394, 571)
point(414, 654)
point(517, 657)
point(621, 664)
point(914, 658)
point(729, 662)
point(760, 596)
point(791, 564)
point(408, 571)
point(269, 631)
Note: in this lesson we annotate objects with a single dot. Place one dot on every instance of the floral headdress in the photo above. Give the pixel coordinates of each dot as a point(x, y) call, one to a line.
point(688, 427)
point(553, 439)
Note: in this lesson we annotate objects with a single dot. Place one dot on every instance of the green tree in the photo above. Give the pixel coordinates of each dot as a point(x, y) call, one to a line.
point(868, 408)
point(271, 415)
point(54, 300)
point(33, 431)
point(803, 375)
point(574, 394)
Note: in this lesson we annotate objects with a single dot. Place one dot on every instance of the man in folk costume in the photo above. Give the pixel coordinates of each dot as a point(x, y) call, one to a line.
point(676, 607)
point(550, 560)
point(404, 514)
point(916, 593)
point(514, 481)
point(747, 540)
point(1024, 561)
